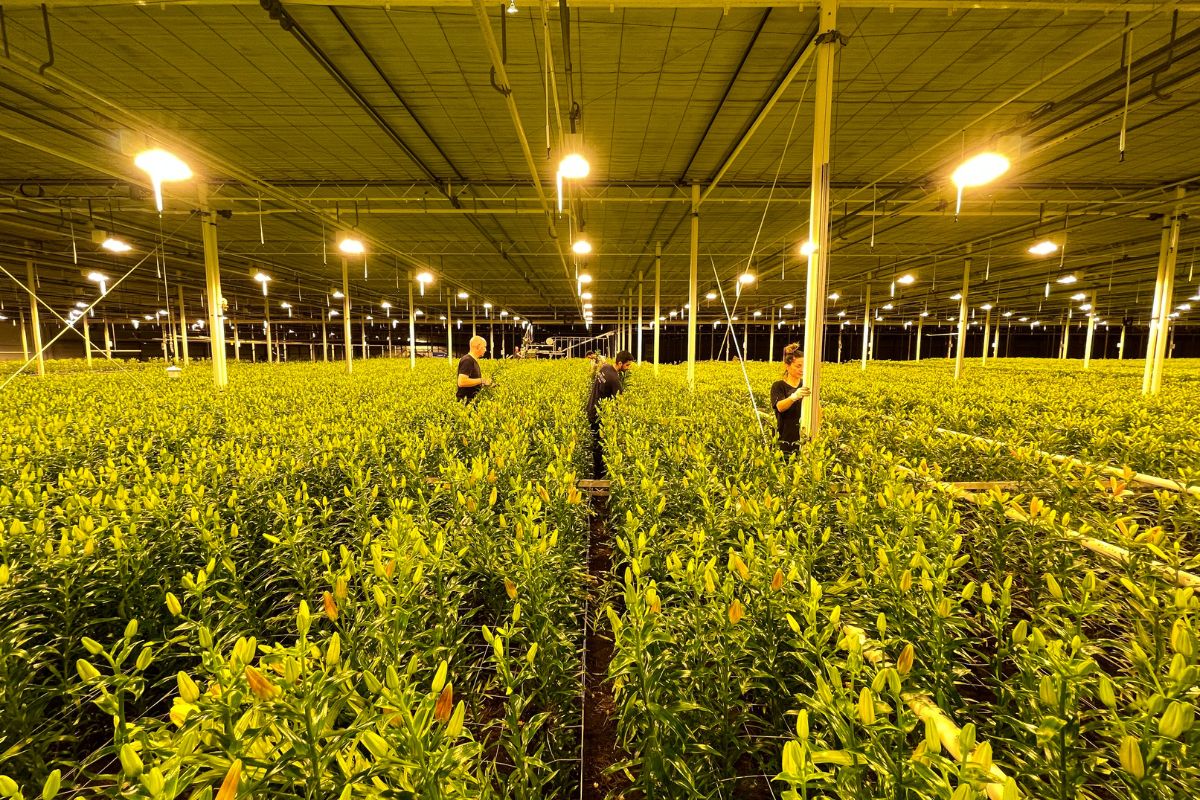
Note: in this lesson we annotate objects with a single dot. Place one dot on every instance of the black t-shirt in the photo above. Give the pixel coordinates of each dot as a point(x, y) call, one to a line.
point(607, 383)
point(788, 422)
point(469, 366)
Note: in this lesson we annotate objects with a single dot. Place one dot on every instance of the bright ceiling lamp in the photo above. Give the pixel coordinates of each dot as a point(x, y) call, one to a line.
point(424, 278)
point(585, 296)
point(351, 246)
point(1043, 248)
point(338, 294)
point(387, 309)
point(986, 307)
point(675, 314)
point(788, 306)
point(924, 313)
point(977, 171)
point(906, 280)
point(888, 307)
point(757, 314)
point(264, 279)
point(1023, 319)
point(956, 296)
point(585, 278)
point(162, 167)
point(842, 313)
point(463, 295)
point(587, 306)
point(1067, 279)
point(512, 7)
point(746, 278)
point(572, 168)
point(286, 306)
point(1007, 314)
point(1184, 307)
point(100, 278)
point(1086, 307)
point(807, 249)
point(114, 245)
point(710, 296)
point(1079, 296)
point(835, 297)
point(581, 247)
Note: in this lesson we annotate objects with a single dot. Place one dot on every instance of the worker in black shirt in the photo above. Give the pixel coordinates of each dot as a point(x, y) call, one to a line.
point(605, 384)
point(470, 377)
point(786, 395)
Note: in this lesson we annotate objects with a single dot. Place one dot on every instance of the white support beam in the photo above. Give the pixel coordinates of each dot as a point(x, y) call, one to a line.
point(216, 301)
point(347, 333)
point(962, 317)
point(693, 280)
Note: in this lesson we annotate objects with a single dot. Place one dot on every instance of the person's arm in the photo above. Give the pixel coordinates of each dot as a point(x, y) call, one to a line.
point(793, 398)
point(465, 381)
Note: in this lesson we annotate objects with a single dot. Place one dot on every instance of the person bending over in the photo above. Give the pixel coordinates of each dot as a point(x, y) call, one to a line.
point(470, 377)
point(786, 395)
point(606, 383)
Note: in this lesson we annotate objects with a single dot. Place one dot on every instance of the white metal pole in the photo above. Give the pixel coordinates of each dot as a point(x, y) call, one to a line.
point(324, 338)
point(362, 332)
point(987, 334)
point(347, 332)
point(962, 316)
point(449, 331)
point(412, 327)
point(1168, 292)
point(237, 343)
point(771, 337)
point(1091, 333)
point(107, 338)
point(35, 322)
point(920, 331)
point(657, 300)
point(267, 328)
point(866, 342)
point(183, 328)
point(24, 340)
point(1121, 344)
point(1159, 281)
point(641, 276)
point(693, 280)
point(212, 271)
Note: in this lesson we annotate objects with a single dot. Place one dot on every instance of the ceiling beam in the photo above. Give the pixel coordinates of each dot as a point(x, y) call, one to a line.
point(952, 6)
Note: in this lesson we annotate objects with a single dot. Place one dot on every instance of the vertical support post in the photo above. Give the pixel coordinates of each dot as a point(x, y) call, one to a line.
point(962, 316)
point(1121, 344)
point(183, 328)
point(267, 329)
point(771, 336)
point(1066, 336)
point(412, 327)
point(449, 331)
point(920, 332)
point(1091, 333)
point(657, 300)
point(693, 280)
point(987, 334)
point(867, 326)
point(35, 321)
point(746, 338)
point(324, 339)
point(641, 276)
point(216, 302)
point(87, 340)
point(107, 338)
point(362, 332)
point(473, 333)
point(24, 340)
point(347, 333)
point(237, 343)
point(1170, 245)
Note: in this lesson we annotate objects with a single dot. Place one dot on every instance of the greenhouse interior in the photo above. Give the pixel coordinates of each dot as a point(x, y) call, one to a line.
point(599, 399)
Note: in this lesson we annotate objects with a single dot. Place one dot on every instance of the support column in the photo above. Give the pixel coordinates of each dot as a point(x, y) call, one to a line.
point(641, 275)
point(867, 326)
point(920, 332)
point(107, 339)
point(1091, 333)
point(771, 337)
point(35, 321)
point(987, 334)
point(449, 331)
point(962, 317)
point(267, 329)
point(693, 275)
point(362, 331)
point(24, 340)
point(183, 328)
point(324, 338)
point(87, 340)
point(347, 333)
point(657, 300)
point(412, 327)
point(237, 343)
point(1066, 336)
point(1160, 318)
point(1121, 344)
point(216, 301)
point(746, 338)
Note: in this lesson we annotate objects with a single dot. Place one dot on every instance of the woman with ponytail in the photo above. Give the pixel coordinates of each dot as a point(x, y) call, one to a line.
point(786, 395)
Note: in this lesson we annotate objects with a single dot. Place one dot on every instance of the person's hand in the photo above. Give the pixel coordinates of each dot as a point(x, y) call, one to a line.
point(487, 381)
point(801, 392)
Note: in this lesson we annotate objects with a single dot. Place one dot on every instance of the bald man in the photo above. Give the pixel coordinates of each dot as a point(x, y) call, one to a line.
point(470, 377)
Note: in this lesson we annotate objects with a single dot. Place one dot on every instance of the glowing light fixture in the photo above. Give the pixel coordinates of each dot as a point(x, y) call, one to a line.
point(788, 306)
point(1184, 307)
point(585, 296)
point(114, 245)
point(710, 296)
point(842, 313)
point(338, 295)
point(1067, 280)
point(1043, 248)
point(1023, 319)
point(512, 7)
point(424, 278)
point(587, 306)
point(1079, 296)
point(986, 307)
point(581, 247)
point(162, 167)
point(333, 313)
point(924, 313)
point(585, 278)
point(100, 278)
point(977, 171)
point(956, 296)
point(503, 313)
point(351, 246)
point(807, 249)
point(888, 307)
point(463, 295)
point(906, 280)
point(572, 168)
point(1086, 307)
point(1007, 314)
point(835, 297)
point(264, 279)
point(746, 278)
point(757, 314)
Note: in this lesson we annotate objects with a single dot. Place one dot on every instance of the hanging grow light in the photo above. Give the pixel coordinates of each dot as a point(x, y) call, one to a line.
point(1043, 248)
point(162, 167)
point(977, 171)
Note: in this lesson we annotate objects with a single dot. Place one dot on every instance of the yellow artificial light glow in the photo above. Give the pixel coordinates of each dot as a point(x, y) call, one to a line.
point(587, 306)
point(337, 294)
point(1079, 296)
point(746, 278)
point(835, 297)
point(97, 277)
point(888, 307)
point(463, 295)
point(161, 166)
point(574, 167)
point(582, 247)
point(385, 304)
point(585, 296)
point(710, 296)
point(788, 306)
point(1086, 307)
point(424, 277)
point(1008, 313)
point(758, 313)
point(807, 249)
point(114, 245)
point(1067, 279)
point(512, 7)
point(1043, 248)
point(906, 280)
point(956, 296)
point(980, 169)
point(584, 278)
point(924, 313)
point(986, 307)
point(351, 246)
